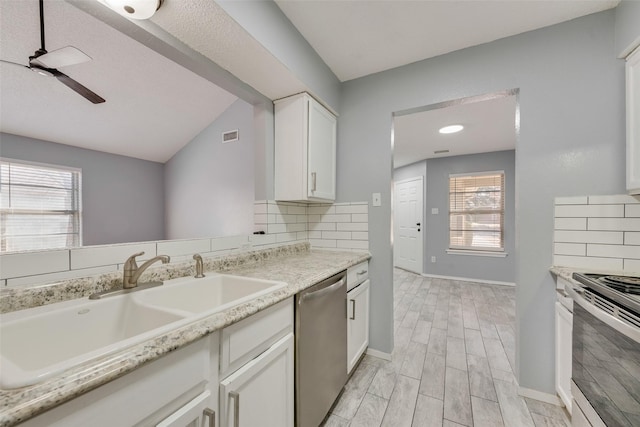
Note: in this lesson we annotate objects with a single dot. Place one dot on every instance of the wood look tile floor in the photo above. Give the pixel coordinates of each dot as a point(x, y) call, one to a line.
point(452, 365)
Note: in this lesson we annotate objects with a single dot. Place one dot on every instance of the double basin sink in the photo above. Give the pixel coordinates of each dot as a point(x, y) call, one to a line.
point(39, 343)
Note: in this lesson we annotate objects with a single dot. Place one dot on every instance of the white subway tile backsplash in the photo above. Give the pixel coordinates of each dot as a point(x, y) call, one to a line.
point(32, 263)
point(323, 226)
point(352, 226)
point(571, 223)
point(352, 209)
point(579, 249)
point(336, 218)
point(591, 263)
point(359, 235)
point(571, 236)
point(322, 243)
point(632, 238)
point(573, 200)
point(359, 218)
point(96, 256)
point(613, 224)
point(611, 240)
point(353, 244)
point(337, 235)
point(631, 266)
point(619, 199)
point(591, 211)
point(632, 211)
point(231, 242)
point(321, 210)
point(63, 275)
point(614, 251)
point(175, 248)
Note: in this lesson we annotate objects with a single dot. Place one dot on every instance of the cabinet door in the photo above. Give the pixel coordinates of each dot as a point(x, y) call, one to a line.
point(196, 413)
point(564, 326)
point(261, 392)
point(633, 122)
point(321, 172)
point(358, 323)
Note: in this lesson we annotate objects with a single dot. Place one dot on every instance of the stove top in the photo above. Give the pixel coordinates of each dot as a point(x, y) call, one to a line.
point(625, 290)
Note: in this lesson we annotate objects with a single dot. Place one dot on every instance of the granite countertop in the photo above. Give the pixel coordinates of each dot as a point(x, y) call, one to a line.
point(299, 268)
point(566, 273)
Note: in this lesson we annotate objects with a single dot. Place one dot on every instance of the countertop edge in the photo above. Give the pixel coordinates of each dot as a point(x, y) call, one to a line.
point(21, 404)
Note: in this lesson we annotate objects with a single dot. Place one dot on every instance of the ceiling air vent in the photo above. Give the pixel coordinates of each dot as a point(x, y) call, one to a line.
point(230, 136)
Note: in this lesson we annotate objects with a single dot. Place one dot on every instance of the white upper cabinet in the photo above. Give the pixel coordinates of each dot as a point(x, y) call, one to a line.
point(305, 150)
point(633, 122)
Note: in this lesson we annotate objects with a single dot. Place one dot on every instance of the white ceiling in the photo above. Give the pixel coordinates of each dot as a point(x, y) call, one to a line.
point(153, 106)
point(489, 125)
point(359, 37)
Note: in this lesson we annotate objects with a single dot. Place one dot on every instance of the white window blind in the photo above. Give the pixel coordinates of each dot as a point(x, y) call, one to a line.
point(39, 206)
point(476, 211)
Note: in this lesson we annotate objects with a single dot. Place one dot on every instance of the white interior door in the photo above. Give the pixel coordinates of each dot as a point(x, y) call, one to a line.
point(409, 224)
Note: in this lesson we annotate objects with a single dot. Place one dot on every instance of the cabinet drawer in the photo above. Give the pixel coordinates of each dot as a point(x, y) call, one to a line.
point(357, 274)
point(246, 339)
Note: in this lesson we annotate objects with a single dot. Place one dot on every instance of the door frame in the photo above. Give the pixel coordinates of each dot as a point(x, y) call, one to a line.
point(396, 233)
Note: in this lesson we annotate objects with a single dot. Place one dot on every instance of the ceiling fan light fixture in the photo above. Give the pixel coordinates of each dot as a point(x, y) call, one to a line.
point(451, 129)
point(135, 9)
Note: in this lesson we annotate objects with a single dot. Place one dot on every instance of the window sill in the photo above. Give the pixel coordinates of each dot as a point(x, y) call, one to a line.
point(477, 253)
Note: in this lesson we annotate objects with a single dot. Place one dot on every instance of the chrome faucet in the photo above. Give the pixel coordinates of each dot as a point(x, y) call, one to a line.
point(199, 266)
point(132, 272)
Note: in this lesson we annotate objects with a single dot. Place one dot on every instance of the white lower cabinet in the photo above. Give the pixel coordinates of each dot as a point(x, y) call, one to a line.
point(357, 323)
point(564, 326)
point(261, 392)
point(175, 390)
point(196, 413)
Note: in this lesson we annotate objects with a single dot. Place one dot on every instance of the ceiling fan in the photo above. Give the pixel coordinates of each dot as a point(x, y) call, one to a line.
point(47, 63)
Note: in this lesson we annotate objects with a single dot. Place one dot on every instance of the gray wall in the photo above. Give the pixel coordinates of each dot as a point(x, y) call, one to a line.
point(122, 197)
point(209, 186)
point(435, 173)
point(572, 124)
point(627, 24)
point(437, 242)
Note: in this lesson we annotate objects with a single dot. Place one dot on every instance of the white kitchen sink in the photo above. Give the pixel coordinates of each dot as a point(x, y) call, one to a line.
point(38, 343)
point(209, 294)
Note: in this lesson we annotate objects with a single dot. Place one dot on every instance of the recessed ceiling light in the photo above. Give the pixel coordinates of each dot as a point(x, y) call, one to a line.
point(451, 129)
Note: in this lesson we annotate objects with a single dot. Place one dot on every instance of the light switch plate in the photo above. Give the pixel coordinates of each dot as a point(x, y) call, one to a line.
point(376, 199)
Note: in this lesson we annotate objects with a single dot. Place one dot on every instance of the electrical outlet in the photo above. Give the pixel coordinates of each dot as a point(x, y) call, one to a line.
point(435, 211)
point(433, 259)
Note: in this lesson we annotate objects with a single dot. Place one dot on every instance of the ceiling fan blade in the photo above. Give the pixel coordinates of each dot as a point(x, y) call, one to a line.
point(63, 57)
point(68, 81)
point(14, 63)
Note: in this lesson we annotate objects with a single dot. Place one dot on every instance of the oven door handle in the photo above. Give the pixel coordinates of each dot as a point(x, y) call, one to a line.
point(629, 331)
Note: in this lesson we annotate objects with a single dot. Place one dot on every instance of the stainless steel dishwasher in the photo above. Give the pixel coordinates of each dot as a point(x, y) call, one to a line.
point(321, 348)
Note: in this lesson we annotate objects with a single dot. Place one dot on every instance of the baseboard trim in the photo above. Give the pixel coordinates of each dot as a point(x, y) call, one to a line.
point(469, 279)
point(378, 354)
point(538, 395)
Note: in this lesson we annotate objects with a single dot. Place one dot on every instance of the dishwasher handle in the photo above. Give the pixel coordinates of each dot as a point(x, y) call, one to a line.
point(323, 291)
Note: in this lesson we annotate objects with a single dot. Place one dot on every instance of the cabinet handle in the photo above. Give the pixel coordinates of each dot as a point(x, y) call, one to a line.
point(313, 181)
point(236, 408)
point(211, 414)
point(353, 310)
point(360, 273)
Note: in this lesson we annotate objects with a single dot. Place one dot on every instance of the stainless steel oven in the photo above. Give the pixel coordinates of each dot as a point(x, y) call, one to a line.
point(606, 350)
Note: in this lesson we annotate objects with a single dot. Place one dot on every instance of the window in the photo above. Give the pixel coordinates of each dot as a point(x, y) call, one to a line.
point(39, 206)
point(476, 211)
